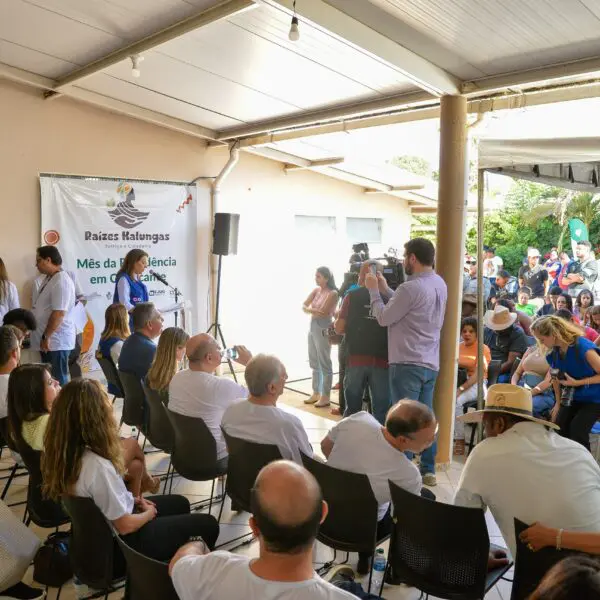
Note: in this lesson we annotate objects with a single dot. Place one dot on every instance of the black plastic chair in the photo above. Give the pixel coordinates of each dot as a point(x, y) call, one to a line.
point(134, 403)
point(95, 557)
point(146, 578)
point(112, 375)
point(530, 567)
point(16, 470)
point(42, 511)
point(440, 549)
point(246, 459)
point(160, 431)
point(351, 523)
point(195, 452)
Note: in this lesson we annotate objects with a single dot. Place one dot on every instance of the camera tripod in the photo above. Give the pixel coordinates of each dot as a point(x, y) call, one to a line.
point(216, 326)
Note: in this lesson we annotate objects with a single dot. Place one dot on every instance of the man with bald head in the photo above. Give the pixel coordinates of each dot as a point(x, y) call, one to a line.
point(198, 392)
point(360, 444)
point(259, 419)
point(287, 509)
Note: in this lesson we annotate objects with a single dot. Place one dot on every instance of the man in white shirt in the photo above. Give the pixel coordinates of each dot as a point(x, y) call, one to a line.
point(360, 444)
point(524, 469)
point(52, 303)
point(492, 264)
point(259, 420)
point(287, 509)
point(10, 354)
point(198, 392)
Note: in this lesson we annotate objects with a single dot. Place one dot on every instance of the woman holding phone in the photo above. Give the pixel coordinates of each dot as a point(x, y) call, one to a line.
point(320, 305)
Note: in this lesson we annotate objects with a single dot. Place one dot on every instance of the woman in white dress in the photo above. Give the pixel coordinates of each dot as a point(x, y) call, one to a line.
point(9, 297)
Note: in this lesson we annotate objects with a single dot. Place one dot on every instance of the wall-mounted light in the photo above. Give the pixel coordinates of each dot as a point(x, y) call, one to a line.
point(294, 34)
point(136, 59)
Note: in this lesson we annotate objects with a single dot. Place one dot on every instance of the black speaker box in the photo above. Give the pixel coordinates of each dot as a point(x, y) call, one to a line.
point(225, 233)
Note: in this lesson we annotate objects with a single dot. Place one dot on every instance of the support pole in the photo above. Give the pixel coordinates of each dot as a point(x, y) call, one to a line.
point(452, 199)
point(480, 305)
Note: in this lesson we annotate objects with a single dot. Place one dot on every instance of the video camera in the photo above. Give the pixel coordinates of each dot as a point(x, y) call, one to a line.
point(393, 267)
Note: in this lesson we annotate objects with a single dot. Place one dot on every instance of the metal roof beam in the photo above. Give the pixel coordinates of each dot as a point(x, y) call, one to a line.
point(364, 29)
point(315, 164)
point(111, 104)
point(221, 10)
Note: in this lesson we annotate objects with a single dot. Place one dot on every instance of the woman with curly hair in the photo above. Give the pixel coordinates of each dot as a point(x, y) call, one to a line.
point(167, 360)
point(83, 458)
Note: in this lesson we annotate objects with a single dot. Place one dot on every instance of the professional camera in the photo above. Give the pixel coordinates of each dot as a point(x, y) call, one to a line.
point(393, 268)
point(567, 392)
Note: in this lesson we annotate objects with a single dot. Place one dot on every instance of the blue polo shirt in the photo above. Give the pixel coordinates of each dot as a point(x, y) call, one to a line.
point(575, 364)
point(137, 355)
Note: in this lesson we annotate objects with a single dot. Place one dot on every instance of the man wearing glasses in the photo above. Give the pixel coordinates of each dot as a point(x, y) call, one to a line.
point(360, 444)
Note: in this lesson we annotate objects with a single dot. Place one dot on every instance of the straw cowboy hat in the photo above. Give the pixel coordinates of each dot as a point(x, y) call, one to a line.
point(500, 318)
point(507, 399)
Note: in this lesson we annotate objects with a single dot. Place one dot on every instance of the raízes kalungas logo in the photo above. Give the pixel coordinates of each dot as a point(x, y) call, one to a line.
point(125, 214)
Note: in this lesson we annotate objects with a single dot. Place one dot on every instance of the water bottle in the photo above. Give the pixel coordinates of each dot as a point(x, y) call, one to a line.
point(134, 432)
point(379, 562)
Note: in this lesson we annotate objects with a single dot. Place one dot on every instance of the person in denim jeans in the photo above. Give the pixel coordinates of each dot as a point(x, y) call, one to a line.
point(366, 341)
point(414, 316)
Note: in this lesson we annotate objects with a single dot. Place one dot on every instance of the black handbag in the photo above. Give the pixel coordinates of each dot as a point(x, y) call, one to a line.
point(51, 565)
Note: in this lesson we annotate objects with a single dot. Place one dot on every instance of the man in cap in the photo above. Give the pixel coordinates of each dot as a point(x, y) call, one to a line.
point(525, 470)
point(535, 277)
point(505, 341)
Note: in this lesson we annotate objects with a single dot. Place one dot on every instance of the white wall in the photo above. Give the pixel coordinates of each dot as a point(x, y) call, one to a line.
point(265, 284)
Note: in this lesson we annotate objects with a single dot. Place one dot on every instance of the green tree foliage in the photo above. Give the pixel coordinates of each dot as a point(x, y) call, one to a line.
point(412, 164)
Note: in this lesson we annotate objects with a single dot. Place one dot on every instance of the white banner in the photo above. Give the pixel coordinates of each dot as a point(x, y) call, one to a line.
point(95, 222)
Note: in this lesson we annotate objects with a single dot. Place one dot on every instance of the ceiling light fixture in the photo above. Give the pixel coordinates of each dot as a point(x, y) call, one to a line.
point(294, 34)
point(136, 59)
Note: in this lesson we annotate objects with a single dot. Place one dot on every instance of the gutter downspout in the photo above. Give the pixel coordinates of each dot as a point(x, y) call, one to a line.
point(215, 189)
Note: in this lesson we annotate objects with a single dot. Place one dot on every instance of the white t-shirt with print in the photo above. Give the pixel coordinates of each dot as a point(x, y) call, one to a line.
point(54, 293)
point(205, 396)
point(100, 481)
point(225, 576)
point(360, 447)
point(268, 425)
point(3, 395)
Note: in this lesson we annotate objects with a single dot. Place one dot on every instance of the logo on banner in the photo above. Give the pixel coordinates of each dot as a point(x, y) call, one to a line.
point(125, 214)
point(51, 237)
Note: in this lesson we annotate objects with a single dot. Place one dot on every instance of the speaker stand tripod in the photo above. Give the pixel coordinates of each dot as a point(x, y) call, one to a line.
point(216, 326)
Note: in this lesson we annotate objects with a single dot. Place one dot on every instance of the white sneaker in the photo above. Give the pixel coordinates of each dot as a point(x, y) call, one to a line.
point(323, 401)
point(312, 399)
point(429, 479)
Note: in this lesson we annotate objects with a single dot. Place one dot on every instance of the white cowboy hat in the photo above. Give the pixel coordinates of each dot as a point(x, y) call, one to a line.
point(500, 318)
point(533, 252)
point(507, 399)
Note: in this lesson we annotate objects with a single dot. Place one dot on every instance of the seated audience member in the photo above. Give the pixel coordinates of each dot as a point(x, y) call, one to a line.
point(553, 293)
point(10, 355)
point(198, 392)
point(587, 332)
point(583, 303)
point(31, 395)
point(367, 351)
point(594, 319)
point(523, 302)
point(469, 306)
point(167, 360)
point(574, 577)
point(82, 427)
point(564, 301)
point(523, 321)
point(563, 273)
point(24, 321)
point(360, 444)
point(287, 509)
point(506, 286)
point(533, 373)
point(470, 282)
point(525, 470)
point(578, 363)
point(258, 419)
point(116, 331)
point(505, 341)
point(139, 348)
point(467, 391)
